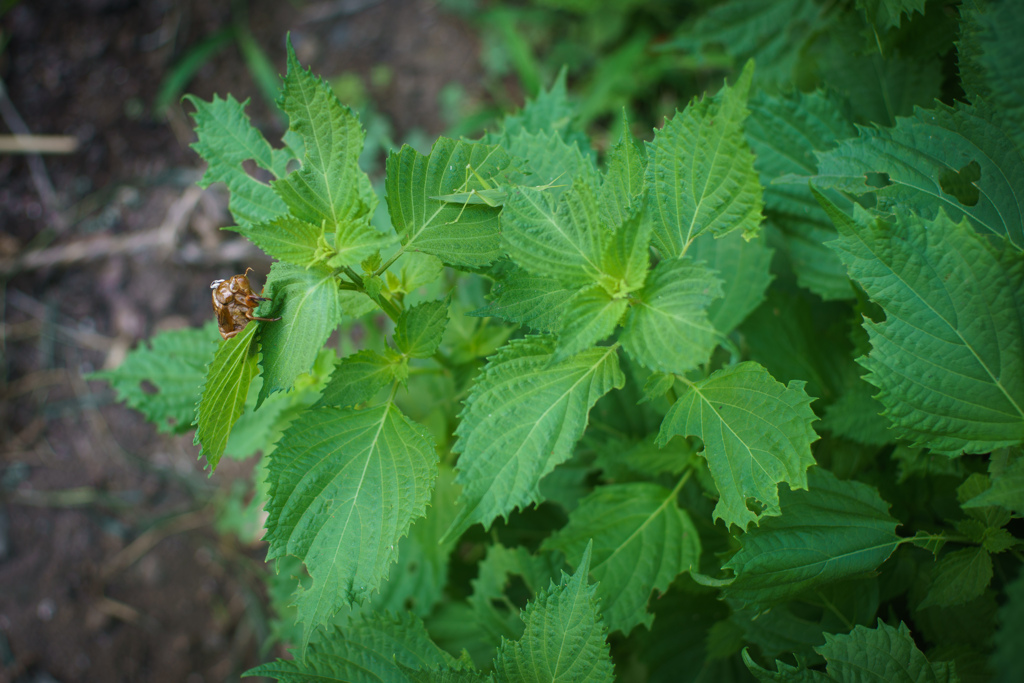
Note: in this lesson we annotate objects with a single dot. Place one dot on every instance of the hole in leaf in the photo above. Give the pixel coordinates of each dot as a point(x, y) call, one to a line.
point(961, 183)
point(257, 173)
point(292, 165)
point(877, 180)
point(148, 387)
point(518, 592)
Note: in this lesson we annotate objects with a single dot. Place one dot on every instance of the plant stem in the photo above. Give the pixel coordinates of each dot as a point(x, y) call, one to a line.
point(387, 264)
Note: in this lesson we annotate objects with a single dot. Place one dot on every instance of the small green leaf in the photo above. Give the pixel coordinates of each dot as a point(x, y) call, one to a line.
point(309, 304)
point(459, 234)
point(667, 328)
point(627, 256)
point(743, 266)
point(286, 238)
point(564, 640)
point(329, 186)
point(372, 649)
point(834, 530)
point(949, 358)
point(174, 363)
point(700, 171)
point(345, 486)
point(522, 418)
point(883, 653)
point(757, 433)
point(1006, 490)
point(623, 182)
point(223, 396)
point(356, 240)
point(359, 377)
point(564, 240)
point(419, 330)
point(590, 317)
point(226, 140)
point(642, 541)
point(960, 577)
point(533, 300)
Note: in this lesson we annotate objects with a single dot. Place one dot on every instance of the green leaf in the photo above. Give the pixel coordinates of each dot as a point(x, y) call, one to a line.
point(883, 653)
point(642, 541)
point(309, 304)
point(564, 240)
point(590, 317)
point(1005, 659)
point(549, 112)
point(756, 432)
point(886, 14)
point(420, 328)
point(623, 183)
point(835, 530)
point(372, 649)
point(921, 158)
point(550, 162)
point(355, 240)
point(785, 131)
point(627, 257)
point(533, 300)
point(743, 266)
point(226, 139)
point(345, 486)
point(990, 59)
point(960, 577)
point(522, 418)
point(949, 358)
point(458, 234)
point(667, 328)
point(174, 364)
point(286, 238)
point(856, 415)
point(700, 171)
point(329, 186)
point(359, 377)
point(223, 395)
point(1006, 490)
point(564, 638)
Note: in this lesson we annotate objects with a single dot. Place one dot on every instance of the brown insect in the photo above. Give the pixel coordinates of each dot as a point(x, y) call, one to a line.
point(233, 302)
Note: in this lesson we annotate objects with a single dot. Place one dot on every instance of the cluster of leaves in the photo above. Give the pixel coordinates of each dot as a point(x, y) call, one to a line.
point(723, 368)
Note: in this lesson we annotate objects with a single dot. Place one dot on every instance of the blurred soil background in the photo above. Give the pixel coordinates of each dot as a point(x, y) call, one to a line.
point(110, 567)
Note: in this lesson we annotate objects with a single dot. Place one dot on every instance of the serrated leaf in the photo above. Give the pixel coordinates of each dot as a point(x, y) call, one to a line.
point(550, 162)
point(642, 541)
point(743, 266)
point(883, 653)
point(458, 234)
point(223, 396)
point(522, 418)
point(922, 154)
point(415, 270)
point(667, 328)
point(960, 577)
point(174, 363)
point(329, 186)
point(623, 181)
point(226, 139)
point(834, 530)
point(370, 650)
point(563, 239)
point(533, 300)
point(359, 377)
point(785, 131)
point(550, 112)
point(700, 171)
point(345, 486)
point(886, 14)
point(949, 358)
point(355, 240)
point(564, 638)
point(310, 306)
point(420, 328)
point(627, 257)
point(756, 432)
point(1006, 490)
point(287, 238)
point(590, 316)
point(857, 415)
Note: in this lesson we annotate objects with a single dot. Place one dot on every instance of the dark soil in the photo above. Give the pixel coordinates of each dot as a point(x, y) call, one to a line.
point(110, 569)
